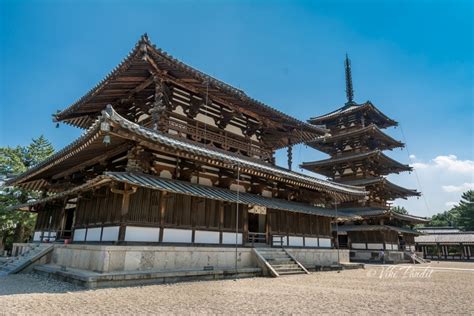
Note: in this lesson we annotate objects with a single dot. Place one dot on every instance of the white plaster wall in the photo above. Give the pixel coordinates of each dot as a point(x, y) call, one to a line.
point(37, 236)
point(144, 234)
point(276, 241)
point(357, 245)
point(79, 234)
point(93, 234)
point(166, 174)
point(310, 242)
point(325, 242)
point(295, 241)
point(375, 246)
point(110, 233)
point(206, 237)
point(267, 193)
point(234, 129)
point(177, 235)
point(229, 238)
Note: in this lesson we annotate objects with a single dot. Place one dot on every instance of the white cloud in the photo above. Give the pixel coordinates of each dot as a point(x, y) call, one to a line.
point(419, 165)
point(458, 188)
point(442, 180)
point(449, 162)
point(412, 157)
point(452, 163)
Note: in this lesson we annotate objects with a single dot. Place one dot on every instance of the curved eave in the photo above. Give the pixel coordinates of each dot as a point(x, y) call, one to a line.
point(226, 159)
point(328, 164)
point(144, 50)
point(349, 109)
point(327, 143)
point(361, 228)
point(392, 188)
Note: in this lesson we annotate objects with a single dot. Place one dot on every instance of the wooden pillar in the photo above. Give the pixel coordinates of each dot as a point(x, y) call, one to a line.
point(127, 191)
point(245, 222)
point(268, 227)
point(221, 220)
point(163, 197)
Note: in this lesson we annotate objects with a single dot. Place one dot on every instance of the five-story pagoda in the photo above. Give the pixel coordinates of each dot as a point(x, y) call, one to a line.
point(356, 143)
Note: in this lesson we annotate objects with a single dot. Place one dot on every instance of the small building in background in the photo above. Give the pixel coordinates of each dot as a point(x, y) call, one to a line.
point(445, 243)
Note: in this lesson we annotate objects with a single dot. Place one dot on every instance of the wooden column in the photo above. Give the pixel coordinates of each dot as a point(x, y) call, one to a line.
point(126, 192)
point(221, 220)
point(245, 221)
point(163, 197)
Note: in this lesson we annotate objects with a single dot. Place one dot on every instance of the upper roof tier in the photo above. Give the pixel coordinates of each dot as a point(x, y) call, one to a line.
point(134, 74)
point(370, 135)
point(89, 147)
point(370, 113)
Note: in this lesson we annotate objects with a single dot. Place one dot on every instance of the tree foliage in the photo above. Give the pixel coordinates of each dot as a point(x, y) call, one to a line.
point(18, 226)
point(461, 215)
point(399, 210)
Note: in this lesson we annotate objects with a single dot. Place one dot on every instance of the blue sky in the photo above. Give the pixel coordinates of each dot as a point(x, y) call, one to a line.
point(412, 59)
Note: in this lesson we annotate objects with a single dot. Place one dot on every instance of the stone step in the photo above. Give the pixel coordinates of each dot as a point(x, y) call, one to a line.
point(284, 266)
point(291, 272)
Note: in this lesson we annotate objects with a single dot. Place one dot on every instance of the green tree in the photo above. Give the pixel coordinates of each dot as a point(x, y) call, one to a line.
point(18, 226)
point(444, 219)
point(465, 211)
point(399, 210)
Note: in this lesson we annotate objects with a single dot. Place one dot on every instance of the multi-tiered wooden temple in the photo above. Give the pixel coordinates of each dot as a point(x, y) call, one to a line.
point(172, 155)
point(355, 143)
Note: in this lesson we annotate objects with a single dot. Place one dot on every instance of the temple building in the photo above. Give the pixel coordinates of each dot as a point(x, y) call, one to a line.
point(356, 145)
point(172, 156)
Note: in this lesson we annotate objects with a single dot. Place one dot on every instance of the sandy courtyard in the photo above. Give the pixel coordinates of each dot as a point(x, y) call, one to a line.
point(445, 288)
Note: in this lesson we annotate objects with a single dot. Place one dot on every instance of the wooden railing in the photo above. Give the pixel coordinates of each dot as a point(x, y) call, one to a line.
point(257, 238)
point(200, 132)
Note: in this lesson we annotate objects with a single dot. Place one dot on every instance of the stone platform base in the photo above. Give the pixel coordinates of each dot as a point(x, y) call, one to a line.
point(92, 280)
point(372, 256)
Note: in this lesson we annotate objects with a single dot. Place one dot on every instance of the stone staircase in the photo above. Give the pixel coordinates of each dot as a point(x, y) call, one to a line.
point(279, 262)
point(17, 264)
point(417, 259)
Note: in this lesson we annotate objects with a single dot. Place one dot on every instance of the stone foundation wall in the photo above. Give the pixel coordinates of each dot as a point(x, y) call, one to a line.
point(138, 258)
point(318, 257)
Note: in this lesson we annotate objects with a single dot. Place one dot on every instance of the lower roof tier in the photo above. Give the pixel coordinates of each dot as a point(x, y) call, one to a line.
point(89, 149)
point(182, 187)
point(374, 160)
point(363, 227)
point(381, 186)
point(380, 212)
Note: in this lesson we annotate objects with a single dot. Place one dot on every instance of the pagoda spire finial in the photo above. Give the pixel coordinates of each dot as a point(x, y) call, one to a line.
point(349, 90)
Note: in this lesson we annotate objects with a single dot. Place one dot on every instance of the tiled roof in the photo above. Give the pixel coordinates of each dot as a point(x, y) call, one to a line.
point(182, 187)
point(463, 237)
point(378, 154)
point(327, 141)
point(383, 181)
point(145, 49)
point(353, 228)
point(227, 158)
point(352, 108)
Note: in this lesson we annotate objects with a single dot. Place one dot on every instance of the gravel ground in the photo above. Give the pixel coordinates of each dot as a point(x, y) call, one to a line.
point(442, 288)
